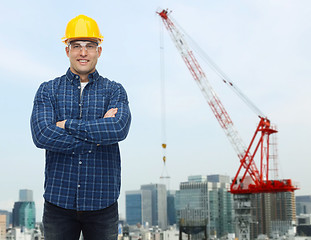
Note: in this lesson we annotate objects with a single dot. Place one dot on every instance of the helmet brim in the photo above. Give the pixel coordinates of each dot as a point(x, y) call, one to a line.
point(99, 40)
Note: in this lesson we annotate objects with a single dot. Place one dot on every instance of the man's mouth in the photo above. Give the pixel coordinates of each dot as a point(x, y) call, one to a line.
point(82, 61)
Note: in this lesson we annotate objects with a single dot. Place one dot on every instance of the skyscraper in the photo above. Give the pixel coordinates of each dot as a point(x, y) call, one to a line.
point(2, 227)
point(200, 202)
point(24, 215)
point(303, 204)
point(8, 217)
point(158, 205)
point(171, 210)
point(24, 212)
point(272, 213)
point(138, 207)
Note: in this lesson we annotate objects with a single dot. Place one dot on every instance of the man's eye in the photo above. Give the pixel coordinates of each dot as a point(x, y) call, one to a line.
point(90, 46)
point(75, 46)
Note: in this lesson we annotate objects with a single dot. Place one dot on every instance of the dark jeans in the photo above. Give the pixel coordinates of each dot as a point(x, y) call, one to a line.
point(64, 224)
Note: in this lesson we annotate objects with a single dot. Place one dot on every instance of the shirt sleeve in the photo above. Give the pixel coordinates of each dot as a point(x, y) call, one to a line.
point(105, 131)
point(46, 134)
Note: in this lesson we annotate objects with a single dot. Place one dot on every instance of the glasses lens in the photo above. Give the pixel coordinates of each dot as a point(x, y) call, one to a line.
point(88, 46)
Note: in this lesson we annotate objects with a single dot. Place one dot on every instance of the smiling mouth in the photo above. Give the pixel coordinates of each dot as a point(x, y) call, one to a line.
point(82, 61)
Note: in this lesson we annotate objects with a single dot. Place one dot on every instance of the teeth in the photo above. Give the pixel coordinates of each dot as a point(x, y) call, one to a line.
point(83, 61)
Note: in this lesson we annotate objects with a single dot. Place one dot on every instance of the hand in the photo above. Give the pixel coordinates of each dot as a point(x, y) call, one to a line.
point(61, 124)
point(111, 113)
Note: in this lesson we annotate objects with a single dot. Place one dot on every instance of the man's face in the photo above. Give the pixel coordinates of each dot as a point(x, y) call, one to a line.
point(83, 55)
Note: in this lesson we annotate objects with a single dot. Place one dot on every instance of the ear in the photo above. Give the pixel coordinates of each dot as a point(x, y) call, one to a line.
point(67, 51)
point(99, 51)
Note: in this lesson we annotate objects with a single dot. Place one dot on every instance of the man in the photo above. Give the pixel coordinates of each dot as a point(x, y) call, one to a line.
point(79, 118)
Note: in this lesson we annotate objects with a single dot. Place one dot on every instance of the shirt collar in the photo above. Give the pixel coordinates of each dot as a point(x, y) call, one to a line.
point(74, 77)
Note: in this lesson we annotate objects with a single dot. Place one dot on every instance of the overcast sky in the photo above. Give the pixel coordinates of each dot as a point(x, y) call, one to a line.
point(263, 45)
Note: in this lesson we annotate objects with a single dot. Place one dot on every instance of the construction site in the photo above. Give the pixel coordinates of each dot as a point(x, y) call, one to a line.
point(264, 204)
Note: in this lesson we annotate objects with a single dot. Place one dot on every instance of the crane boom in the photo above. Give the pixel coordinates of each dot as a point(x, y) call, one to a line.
point(259, 179)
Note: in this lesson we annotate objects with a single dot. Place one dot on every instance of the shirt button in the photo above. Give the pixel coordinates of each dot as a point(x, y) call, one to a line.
point(73, 152)
point(90, 151)
point(80, 104)
point(79, 87)
point(77, 77)
point(79, 185)
point(85, 139)
point(80, 162)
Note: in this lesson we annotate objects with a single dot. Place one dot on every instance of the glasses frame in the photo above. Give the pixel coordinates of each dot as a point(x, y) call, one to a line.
point(83, 44)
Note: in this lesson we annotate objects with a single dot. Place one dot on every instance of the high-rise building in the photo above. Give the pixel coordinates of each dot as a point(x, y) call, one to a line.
point(2, 227)
point(303, 205)
point(24, 215)
point(8, 217)
point(25, 195)
point(171, 210)
point(272, 213)
point(138, 207)
point(24, 211)
point(158, 204)
point(200, 202)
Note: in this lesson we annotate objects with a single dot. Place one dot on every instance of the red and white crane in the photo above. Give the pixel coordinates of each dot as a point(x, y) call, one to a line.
point(249, 178)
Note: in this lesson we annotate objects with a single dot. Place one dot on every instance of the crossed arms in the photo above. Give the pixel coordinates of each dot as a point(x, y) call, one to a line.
point(75, 135)
point(110, 113)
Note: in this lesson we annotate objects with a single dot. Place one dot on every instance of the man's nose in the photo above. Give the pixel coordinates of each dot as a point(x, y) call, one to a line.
point(83, 51)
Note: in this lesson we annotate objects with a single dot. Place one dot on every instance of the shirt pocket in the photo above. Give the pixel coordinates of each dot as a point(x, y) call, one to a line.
point(66, 105)
point(97, 107)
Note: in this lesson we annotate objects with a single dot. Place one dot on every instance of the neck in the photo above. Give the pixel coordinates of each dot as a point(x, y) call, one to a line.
point(84, 78)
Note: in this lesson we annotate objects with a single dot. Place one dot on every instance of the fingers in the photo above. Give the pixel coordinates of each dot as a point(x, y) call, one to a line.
point(61, 124)
point(111, 113)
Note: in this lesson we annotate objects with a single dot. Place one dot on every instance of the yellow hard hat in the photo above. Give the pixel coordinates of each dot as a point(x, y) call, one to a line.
point(82, 27)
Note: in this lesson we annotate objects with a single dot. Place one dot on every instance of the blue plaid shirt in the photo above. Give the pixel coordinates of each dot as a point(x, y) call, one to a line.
point(82, 169)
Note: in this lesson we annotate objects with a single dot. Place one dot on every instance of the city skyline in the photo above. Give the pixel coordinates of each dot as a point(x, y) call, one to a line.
point(262, 46)
point(213, 178)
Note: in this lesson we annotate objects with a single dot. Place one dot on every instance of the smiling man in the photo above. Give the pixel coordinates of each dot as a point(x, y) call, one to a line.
point(79, 118)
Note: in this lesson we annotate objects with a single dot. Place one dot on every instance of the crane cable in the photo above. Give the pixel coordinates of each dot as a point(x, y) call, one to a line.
point(225, 79)
point(163, 105)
